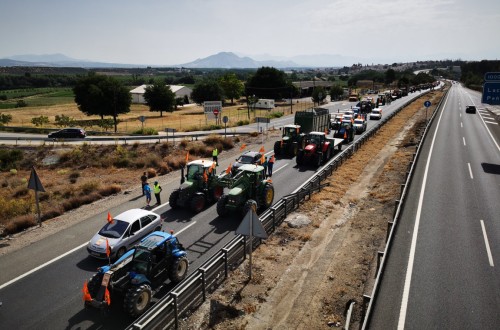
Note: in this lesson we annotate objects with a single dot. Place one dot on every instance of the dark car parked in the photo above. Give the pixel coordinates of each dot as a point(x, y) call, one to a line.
point(249, 157)
point(78, 133)
point(470, 109)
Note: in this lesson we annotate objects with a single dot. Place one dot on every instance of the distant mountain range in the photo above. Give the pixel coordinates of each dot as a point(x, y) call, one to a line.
point(225, 60)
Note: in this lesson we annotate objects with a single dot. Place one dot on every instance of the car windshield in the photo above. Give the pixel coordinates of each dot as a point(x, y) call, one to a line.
point(245, 159)
point(114, 230)
point(290, 131)
point(358, 121)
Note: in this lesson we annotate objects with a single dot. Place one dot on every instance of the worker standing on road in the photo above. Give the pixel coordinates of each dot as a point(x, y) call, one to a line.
point(215, 153)
point(264, 164)
point(147, 191)
point(157, 190)
point(144, 181)
point(270, 165)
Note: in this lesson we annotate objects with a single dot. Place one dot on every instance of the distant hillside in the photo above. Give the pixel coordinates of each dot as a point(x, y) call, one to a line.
point(228, 60)
point(59, 60)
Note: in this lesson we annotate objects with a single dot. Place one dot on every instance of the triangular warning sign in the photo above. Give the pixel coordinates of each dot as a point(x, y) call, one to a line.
point(34, 182)
point(252, 221)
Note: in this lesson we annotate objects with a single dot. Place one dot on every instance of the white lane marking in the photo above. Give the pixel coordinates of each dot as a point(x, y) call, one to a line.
point(41, 266)
point(62, 256)
point(487, 129)
point(180, 231)
point(461, 124)
point(411, 258)
point(460, 115)
point(159, 206)
point(464, 141)
point(487, 244)
point(282, 167)
point(470, 171)
point(491, 122)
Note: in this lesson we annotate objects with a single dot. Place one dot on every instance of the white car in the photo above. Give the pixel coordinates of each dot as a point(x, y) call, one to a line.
point(123, 232)
point(376, 113)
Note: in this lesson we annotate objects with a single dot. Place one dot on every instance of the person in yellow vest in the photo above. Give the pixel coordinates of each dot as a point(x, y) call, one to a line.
point(215, 153)
point(157, 190)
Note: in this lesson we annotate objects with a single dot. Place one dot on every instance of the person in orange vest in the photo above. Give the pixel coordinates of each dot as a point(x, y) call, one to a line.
point(270, 164)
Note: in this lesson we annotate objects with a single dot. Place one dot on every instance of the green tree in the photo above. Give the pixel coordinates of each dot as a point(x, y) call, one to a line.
point(5, 118)
point(207, 90)
point(40, 121)
point(390, 76)
point(102, 96)
point(232, 86)
point(336, 92)
point(159, 97)
point(268, 83)
point(318, 94)
point(64, 121)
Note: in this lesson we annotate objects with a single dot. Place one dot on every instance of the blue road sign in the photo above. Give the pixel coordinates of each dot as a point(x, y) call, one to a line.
point(427, 104)
point(492, 76)
point(491, 93)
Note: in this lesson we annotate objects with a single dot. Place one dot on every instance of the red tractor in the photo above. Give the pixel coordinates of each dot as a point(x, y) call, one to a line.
point(318, 148)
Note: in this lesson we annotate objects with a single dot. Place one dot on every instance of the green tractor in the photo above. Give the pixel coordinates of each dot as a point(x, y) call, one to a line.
point(138, 275)
point(248, 187)
point(199, 187)
point(290, 142)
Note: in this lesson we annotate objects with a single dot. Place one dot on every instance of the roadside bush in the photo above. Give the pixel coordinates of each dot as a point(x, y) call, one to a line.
point(146, 131)
point(110, 190)
point(10, 158)
point(10, 208)
point(242, 122)
point(52, 213)
point(175, 162)
point(19, 223)
point(89, 187)
point(164, 169)
point(275, 115)
point(21, 192)
point(151, 172)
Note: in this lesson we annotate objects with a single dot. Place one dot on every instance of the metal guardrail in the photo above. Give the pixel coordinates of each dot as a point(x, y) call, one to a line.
point(399, 208)
point(192, 292)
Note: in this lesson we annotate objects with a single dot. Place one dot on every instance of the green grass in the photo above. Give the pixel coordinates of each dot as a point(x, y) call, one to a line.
point(37, 97)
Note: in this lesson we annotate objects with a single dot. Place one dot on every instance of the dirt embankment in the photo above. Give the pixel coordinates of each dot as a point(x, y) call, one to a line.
point(304, 277)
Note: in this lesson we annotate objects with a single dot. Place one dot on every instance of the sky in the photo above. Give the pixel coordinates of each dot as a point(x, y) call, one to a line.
point(167, 32)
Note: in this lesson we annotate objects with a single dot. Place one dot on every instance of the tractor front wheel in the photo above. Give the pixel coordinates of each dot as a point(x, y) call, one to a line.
point(221, 206)
point(300, 157)
point(267, 196)
point(137, 300)
point(277, 148)
point(197, 203)
point(174, 196)
point(179, 269)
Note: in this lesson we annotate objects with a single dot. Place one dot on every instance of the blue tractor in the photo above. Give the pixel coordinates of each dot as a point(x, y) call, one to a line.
point(138, 274)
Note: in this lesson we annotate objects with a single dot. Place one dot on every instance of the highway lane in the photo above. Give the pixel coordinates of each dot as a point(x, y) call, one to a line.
point(51, 296)
point(442, 269)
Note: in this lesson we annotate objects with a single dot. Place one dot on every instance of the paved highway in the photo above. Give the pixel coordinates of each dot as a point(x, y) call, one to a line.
point(442, 271)
point(40, 285)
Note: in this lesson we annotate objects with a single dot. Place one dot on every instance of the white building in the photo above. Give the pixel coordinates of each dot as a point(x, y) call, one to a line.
point(179, 91)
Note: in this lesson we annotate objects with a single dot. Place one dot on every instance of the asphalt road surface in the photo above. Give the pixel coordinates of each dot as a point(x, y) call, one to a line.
point(40, 285)
point(442, 271)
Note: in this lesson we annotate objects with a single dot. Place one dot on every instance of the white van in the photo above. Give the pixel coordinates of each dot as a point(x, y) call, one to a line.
point(376, 113)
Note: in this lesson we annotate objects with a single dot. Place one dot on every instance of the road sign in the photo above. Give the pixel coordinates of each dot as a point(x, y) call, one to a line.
point(170, 130)
point(491, 93)
point(225, 119)
point(251, 226)
point(142, 119)
point(262, 120)
point(210, 106)
point(34, 182)
point(492, 76)
point(216, 112)
point(427, 104)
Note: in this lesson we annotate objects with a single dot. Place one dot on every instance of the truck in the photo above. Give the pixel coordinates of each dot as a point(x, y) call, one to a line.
point(319, 148)
point(199, 186)
point(138, 274)
point(314, 119)
point(247, 188)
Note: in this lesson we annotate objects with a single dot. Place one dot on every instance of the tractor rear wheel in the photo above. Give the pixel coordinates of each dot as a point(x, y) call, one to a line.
point(197, 203)
point(221, 206)
point(178, 270)
point(174, 196)
point(277, 147)
point(327, 155)
point(319, 157)
point(217, 192)
point(137, 299)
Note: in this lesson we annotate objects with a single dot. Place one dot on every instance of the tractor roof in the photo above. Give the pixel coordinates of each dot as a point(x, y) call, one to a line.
point(154, 239)
point(317, 133)
point(251, 168)
point(291, 126)
point(204, 162)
